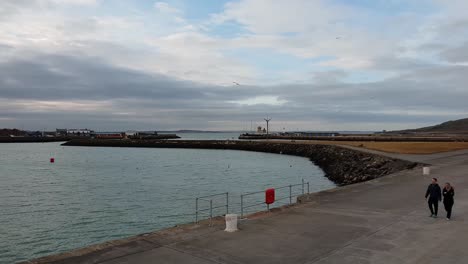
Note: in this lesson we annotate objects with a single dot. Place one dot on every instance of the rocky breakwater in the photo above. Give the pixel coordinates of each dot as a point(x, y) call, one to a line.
point(32, 139)
point(344, 166)
point(341, 165)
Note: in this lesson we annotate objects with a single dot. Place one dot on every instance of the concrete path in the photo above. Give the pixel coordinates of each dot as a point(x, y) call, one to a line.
point(380, 221)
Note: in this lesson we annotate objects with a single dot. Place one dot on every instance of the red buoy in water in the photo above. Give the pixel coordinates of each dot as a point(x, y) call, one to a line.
point(52, 160)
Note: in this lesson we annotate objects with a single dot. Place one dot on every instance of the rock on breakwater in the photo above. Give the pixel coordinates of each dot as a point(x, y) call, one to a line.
point(32, 139)
point(341, 165)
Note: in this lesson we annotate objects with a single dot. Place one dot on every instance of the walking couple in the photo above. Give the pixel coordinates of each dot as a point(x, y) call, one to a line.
point(435, 196)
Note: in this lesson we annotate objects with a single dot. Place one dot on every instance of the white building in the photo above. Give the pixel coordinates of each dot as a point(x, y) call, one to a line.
point(79, 132)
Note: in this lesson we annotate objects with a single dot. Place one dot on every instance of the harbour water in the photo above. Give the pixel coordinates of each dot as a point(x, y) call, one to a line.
point(91, 195)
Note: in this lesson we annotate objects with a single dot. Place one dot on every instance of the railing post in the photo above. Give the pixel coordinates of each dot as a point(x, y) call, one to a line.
point(211, 210)
point(227, 203)
point(196, 210)
point(302, 186)
point(242, 206)
point(308, 189)
point(290, 194)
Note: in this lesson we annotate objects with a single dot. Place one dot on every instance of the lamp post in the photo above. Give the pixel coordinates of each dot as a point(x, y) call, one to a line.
point(267, 121)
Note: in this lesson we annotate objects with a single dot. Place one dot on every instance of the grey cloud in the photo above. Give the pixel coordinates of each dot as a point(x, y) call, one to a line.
point(329, 76)
point(390, 94)
point(399, 64)
point(79, 26)
point(200, 118)
point(60, 77)
point(456, 55)
point(5, 48)
point(432, 47)
point(453, 28)
point(11, 7)
point(149, 101)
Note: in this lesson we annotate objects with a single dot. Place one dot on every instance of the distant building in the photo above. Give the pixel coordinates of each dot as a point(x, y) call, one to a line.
point(34, 134)
point(79, 132)
point(259, 129)
point(48, 134)
point(61, 132)
point(108, 135)
point(314, 134)
point(130, 133)
point(82, 132)
point(12, 133)
point(145, 135)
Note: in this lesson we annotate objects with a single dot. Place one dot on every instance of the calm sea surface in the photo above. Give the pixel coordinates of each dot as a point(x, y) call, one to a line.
point(91, 195)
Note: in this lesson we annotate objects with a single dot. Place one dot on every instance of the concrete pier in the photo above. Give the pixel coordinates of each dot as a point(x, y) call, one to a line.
point(385, 220)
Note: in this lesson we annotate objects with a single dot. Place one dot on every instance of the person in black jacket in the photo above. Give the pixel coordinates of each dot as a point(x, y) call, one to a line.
point(448, 193)
point(435, 196)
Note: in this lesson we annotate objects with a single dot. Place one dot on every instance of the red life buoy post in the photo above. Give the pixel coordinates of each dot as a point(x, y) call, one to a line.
point(269, 197)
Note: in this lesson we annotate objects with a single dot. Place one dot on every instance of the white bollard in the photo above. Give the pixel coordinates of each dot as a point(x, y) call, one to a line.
point(426, 170)
point(231, 223)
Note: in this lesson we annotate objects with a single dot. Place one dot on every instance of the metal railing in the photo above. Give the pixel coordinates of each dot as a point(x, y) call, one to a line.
point(290, 196)
point(209, 210)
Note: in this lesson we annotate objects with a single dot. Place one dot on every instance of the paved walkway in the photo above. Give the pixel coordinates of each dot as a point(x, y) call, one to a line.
point(380, 221)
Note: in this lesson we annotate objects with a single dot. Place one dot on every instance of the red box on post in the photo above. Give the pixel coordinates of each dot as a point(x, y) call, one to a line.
point(270, 196)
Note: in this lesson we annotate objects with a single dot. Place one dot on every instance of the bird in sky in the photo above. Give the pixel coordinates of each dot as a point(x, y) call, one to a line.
point(236, 83)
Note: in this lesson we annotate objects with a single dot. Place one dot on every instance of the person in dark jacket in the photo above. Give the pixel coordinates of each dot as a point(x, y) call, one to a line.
point(448, 193)
point(435, 196)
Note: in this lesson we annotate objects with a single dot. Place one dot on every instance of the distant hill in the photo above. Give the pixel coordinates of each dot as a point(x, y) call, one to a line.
point(454, 126)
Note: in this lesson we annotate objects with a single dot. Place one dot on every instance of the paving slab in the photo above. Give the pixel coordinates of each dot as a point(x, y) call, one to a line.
point(160, 256)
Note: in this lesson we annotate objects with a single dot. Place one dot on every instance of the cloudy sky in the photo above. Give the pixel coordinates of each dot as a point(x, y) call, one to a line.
point(307, 64)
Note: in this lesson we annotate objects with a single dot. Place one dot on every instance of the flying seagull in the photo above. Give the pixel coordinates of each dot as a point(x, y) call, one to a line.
point(236, 83)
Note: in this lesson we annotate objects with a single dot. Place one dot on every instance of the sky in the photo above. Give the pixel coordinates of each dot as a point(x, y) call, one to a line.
point(366, 65)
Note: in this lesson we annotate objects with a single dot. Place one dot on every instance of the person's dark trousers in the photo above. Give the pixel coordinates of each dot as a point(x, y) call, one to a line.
point(433, 206)
point(448, 208)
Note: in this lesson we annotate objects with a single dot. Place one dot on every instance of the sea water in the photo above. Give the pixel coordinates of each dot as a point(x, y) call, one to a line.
point(90, 195)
